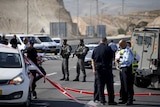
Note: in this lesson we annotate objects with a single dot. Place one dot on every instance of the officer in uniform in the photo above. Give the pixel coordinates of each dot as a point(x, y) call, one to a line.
point(102, 68)
point(65, 53)
point(81, 52)
point(126, 76)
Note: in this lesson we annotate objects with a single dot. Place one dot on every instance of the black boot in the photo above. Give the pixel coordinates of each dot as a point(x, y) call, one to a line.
point(34, 95)
point(67, 79)
point(84, 79)
point(76, 79)
point(62, 78)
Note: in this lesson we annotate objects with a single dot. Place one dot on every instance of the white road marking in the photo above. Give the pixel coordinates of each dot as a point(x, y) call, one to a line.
point(51, 74)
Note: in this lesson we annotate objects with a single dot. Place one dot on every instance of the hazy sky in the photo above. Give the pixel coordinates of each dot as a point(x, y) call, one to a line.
point(89, 7)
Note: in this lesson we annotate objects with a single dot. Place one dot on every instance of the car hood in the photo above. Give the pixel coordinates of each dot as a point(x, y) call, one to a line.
point(9, 73)
point(49, 44)
point(89, 55)
point(36, 45)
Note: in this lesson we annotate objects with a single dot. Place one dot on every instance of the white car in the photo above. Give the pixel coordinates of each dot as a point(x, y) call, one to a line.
point(58, 41)
point(14, 77)
point(39, 47)
point(50, 46)
point(88, 58)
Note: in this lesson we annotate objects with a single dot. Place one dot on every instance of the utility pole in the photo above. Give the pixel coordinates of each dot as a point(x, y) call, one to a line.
point(97, 18)
point(97, 12)
point(59, 19)
point(122, 7)
point(90, 13)
point(27, 16)
point(77, 17)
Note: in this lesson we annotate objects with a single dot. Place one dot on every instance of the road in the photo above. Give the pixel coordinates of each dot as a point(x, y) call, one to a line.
point(49, 94)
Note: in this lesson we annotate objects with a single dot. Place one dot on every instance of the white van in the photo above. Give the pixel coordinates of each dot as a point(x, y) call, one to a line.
point(39, 47)
point(50, 46)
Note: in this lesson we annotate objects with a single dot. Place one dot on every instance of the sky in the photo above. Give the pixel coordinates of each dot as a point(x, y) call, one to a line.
point(89, 7)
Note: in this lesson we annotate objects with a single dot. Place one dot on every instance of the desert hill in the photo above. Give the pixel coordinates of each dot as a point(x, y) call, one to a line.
point(126, 22)
point(13, 15)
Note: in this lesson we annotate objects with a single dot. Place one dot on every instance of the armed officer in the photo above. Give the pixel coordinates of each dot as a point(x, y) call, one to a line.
point(80, 52)
point(65, 53)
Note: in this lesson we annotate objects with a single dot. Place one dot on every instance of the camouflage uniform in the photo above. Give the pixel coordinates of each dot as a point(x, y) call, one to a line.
point(65, 53)
point(80, 52)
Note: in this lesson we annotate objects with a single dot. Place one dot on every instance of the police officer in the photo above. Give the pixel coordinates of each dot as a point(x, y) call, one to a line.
point(102, 67)
point(126, 76)
point(65, 53)
point(81, 52)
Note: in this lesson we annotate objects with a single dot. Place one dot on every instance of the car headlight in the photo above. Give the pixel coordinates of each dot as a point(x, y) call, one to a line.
point(17, 80)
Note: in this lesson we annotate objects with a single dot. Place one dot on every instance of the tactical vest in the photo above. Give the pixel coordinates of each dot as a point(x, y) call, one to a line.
point(134, 63)
point(81, 51)
point(65, 53)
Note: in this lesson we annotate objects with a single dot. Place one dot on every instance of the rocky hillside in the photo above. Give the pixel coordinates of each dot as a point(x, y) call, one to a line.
point(13, 18)
point(13, 15)
point(126, 23)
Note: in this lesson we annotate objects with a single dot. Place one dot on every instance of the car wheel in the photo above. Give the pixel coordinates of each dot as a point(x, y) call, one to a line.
point(142, 82)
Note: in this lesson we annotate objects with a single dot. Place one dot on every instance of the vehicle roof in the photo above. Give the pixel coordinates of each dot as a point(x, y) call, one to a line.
point(20, 35)
point(56, 38)
point(7, 49)
point(91, 45)
point(41, 35)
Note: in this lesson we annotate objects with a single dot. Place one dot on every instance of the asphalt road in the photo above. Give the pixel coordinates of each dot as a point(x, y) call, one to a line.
point(50, 95)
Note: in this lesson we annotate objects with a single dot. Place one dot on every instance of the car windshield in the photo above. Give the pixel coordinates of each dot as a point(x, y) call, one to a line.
point(30, 38)
point(57, 41)
point(45, 39)
point(10, 60)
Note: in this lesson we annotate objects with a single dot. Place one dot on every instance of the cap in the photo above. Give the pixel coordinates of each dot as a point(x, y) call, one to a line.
point(65, 40)
point(81, 40)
